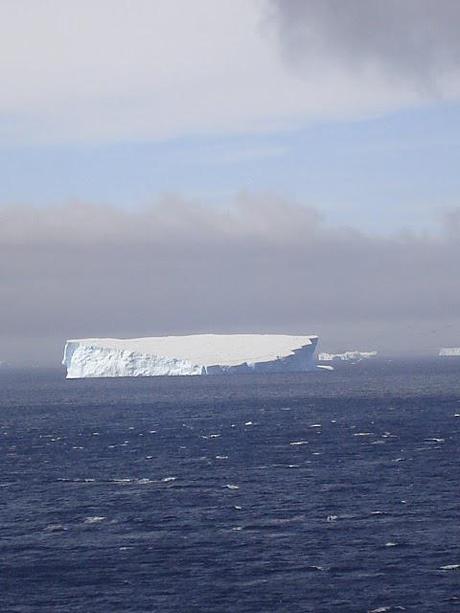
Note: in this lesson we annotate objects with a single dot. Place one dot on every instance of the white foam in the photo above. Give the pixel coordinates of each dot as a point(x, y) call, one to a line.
point(95, 519)
point(55, 528)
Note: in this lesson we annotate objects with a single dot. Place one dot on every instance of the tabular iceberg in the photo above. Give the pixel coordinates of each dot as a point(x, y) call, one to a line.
point(197, 354)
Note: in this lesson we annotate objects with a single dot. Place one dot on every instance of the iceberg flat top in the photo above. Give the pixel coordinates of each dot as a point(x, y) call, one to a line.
point(208, 349)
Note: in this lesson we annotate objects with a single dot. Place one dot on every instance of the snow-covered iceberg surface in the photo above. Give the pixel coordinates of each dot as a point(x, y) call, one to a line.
point(198, 354)
point(450, 352)
point(347, 356)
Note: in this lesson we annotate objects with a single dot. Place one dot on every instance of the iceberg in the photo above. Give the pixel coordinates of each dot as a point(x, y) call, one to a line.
point(450, 352)
point(196, 354)
point(347, 356)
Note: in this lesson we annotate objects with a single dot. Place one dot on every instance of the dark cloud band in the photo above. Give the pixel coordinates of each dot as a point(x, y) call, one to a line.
point(409, 39)
point(178, 268)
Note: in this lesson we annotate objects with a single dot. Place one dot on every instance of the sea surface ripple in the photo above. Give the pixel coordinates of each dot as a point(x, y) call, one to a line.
point(319, 492)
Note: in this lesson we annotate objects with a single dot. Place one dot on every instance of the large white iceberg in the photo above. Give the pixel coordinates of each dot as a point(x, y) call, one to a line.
point(450, 352)
point(197, 354)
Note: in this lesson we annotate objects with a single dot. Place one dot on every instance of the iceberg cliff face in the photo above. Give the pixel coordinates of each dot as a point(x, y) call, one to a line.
point(199, 354)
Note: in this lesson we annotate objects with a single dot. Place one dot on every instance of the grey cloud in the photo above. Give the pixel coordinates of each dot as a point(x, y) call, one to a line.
point(264, 265)
point(409, 39)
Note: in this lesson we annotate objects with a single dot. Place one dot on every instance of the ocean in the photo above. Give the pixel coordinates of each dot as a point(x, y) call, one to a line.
point(326, 491)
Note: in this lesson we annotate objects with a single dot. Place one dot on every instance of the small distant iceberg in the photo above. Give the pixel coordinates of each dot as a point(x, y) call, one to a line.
point(347, 356)
point(449, 352)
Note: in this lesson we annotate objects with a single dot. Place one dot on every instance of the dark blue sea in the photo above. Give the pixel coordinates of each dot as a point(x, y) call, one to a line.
point(317, 492)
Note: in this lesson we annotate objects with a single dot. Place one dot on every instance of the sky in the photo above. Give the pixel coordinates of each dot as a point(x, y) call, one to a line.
point(229, 166)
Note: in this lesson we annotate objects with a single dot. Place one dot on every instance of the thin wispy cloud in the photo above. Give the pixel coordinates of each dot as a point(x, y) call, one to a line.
point(110, 71)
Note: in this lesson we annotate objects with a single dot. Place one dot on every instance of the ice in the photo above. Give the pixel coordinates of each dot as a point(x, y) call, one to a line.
point(450, 352)
point(199, 354)
point(347, 356)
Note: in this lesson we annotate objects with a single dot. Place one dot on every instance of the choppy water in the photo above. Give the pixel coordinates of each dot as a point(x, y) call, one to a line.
point(320, 492)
